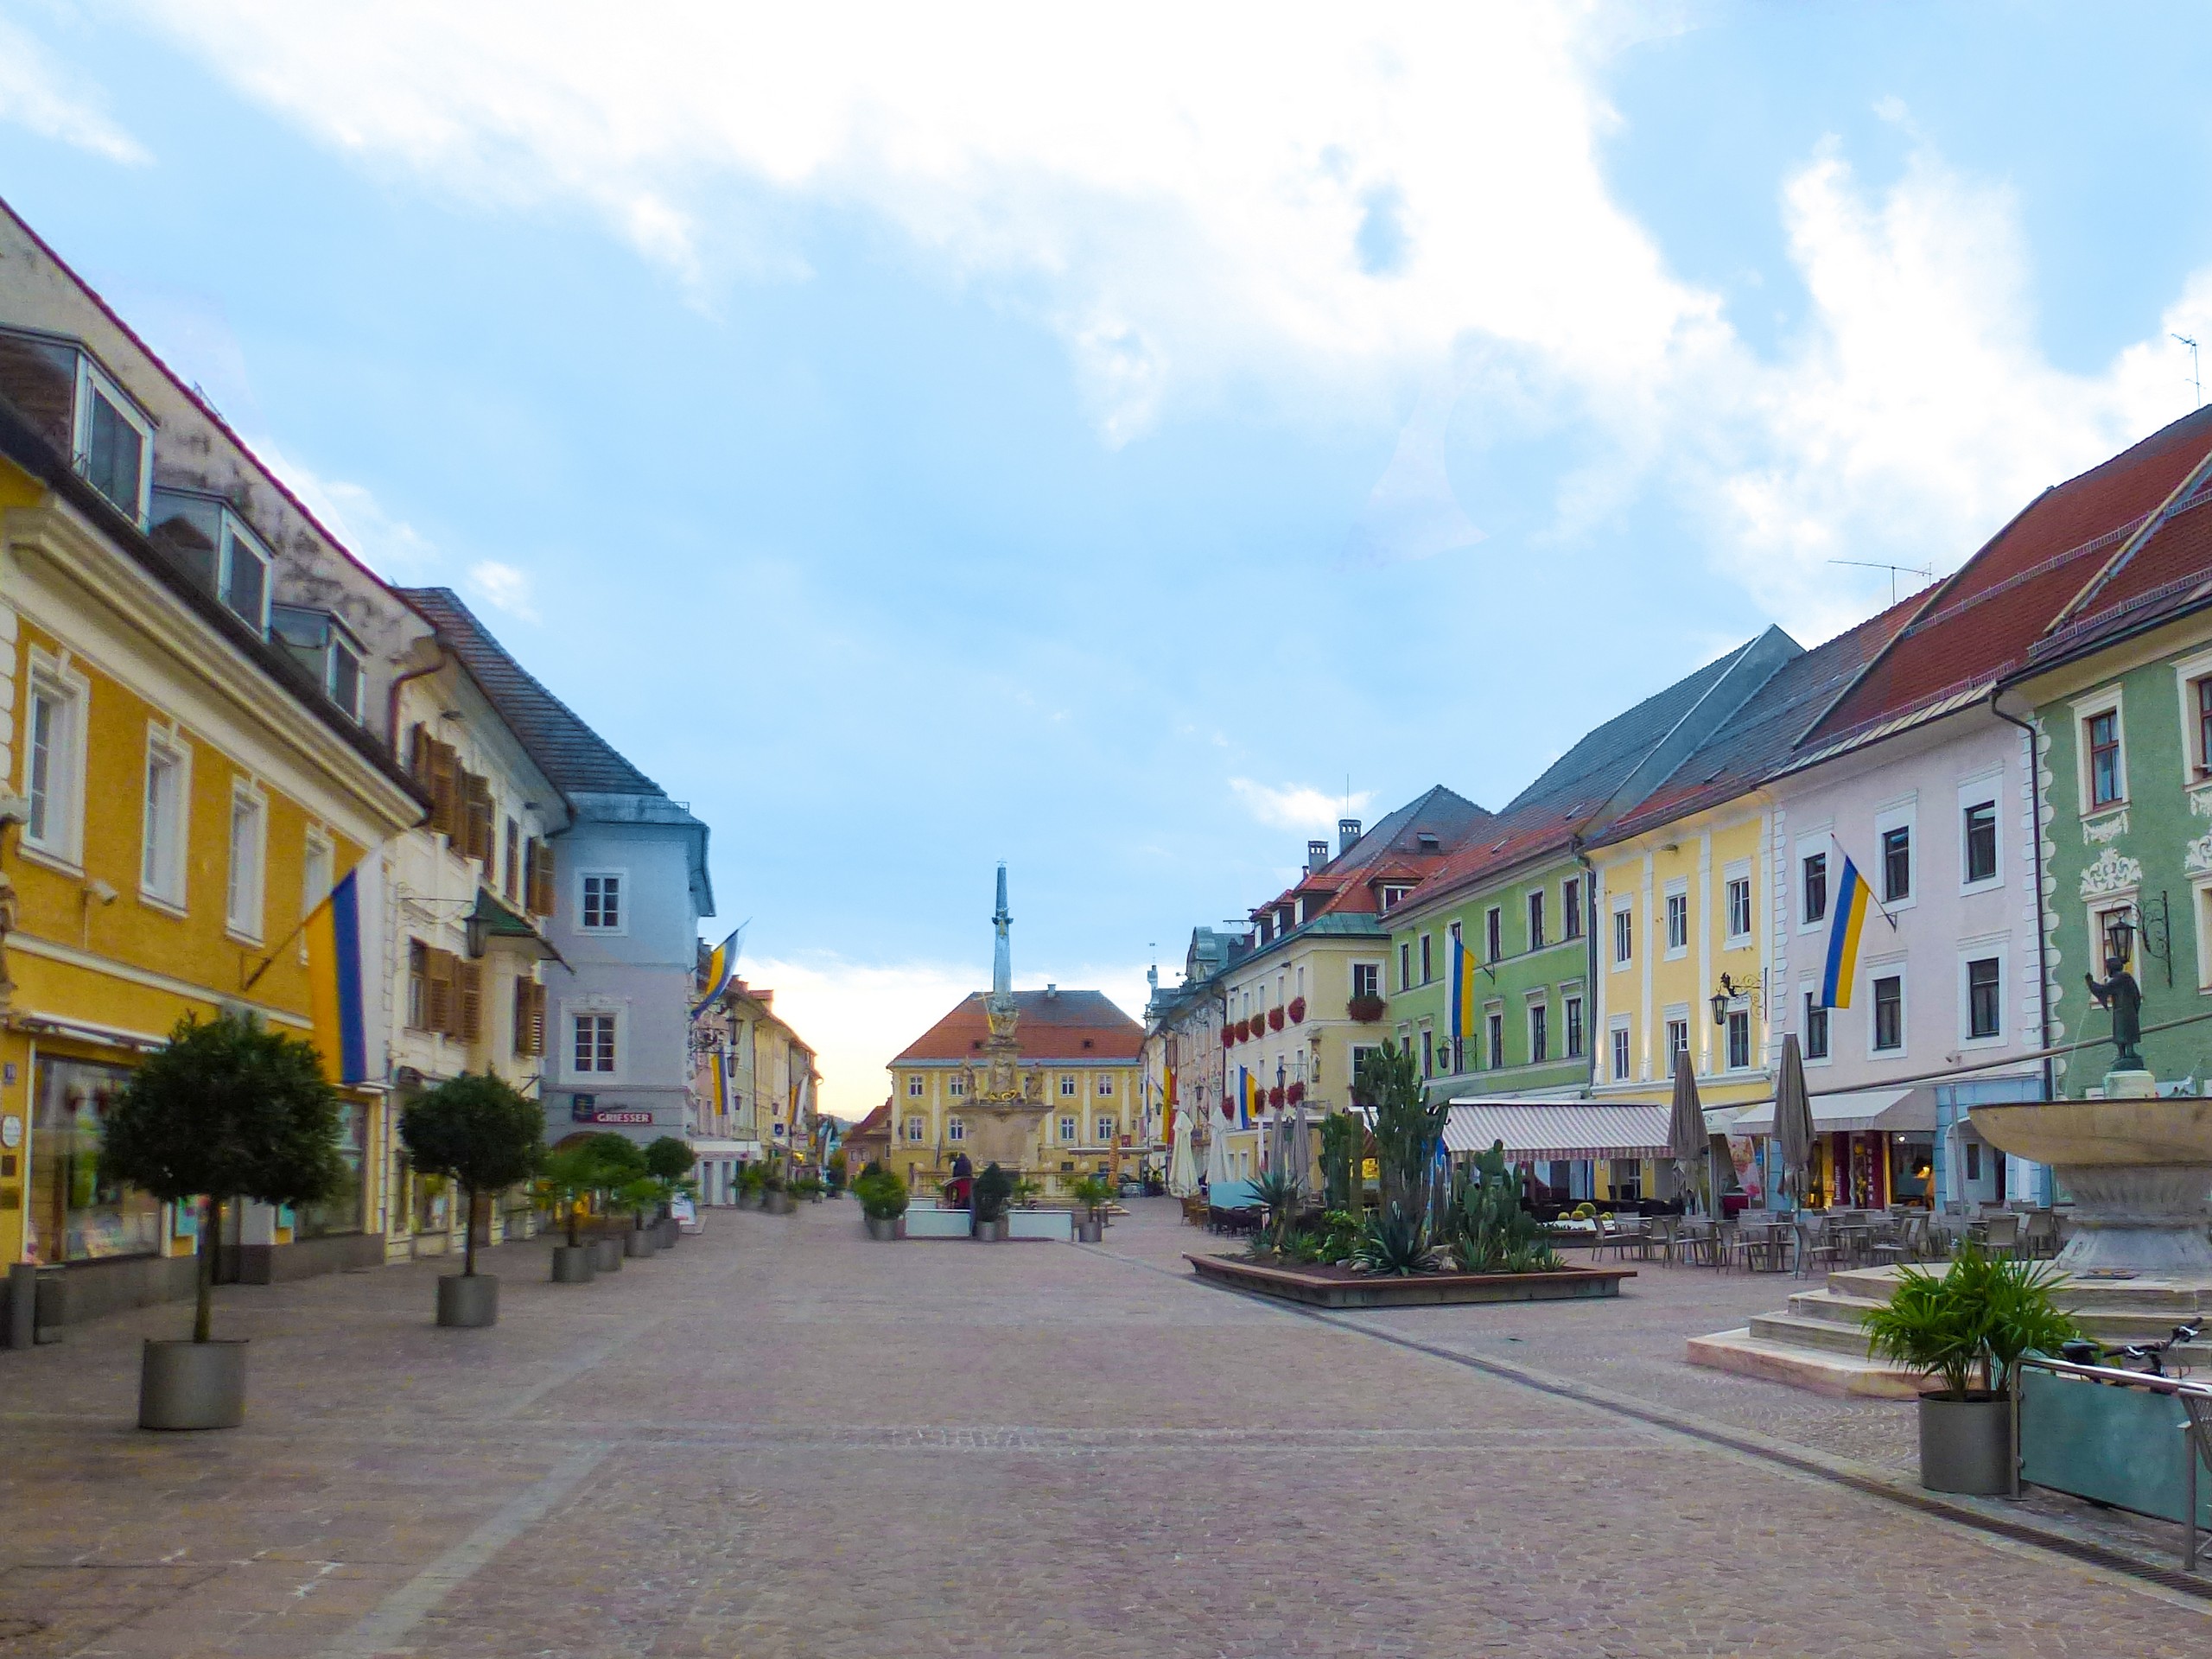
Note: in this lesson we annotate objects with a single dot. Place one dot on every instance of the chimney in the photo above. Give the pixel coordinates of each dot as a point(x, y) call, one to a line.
point(1317, 855)
point(1050, 989)
point(1347, 833)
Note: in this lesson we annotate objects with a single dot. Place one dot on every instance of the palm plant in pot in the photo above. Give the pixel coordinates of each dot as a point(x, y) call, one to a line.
point(639, 1198)
point(1966, 1331)
point(883, 1200)
point(993, 1187)
point(566, 1181)
point(669, 1160)
point(776, 1189)
point(617, 1164)
point(1092, 1194)
point(752, 1183)
point(228, 1110)
point(485, 1135)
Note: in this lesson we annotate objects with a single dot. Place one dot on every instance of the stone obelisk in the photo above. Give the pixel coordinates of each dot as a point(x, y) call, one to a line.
point(1004, 1105)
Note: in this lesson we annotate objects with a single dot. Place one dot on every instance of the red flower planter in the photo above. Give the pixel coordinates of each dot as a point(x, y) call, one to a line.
point(1227, 1107)
point(1297, 1010)
point(1275, 1018)
point(1243, 1029)
point(1295, 1093)
point(1228, 1036)
point(1365, 1010)
point(1274, 1096)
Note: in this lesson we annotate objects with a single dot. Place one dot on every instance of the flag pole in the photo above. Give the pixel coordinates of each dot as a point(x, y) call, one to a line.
point(1873, 901)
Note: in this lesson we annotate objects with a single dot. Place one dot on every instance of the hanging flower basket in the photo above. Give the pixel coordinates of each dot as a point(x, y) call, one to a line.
point(1243, 1029)
point(1364, 1009)
point(1274, 1096)
point(1274, 1018)
point(1297, 1010)
point(1228, 1036)
point(1295, 1093)
point(1227, 1107)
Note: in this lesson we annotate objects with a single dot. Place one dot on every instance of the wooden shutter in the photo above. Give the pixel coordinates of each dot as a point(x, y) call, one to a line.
point(530, 1018)
point(512, 886)
point(440, 1001)
point(477, 818)
point(444, 781)
point(541, 878)
point(470, 978)
point(418, 985)
point(419, 743)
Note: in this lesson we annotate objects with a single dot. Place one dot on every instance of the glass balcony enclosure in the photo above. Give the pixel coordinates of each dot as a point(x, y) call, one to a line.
point(325, 648)
point(77, 407)
point(218, 547)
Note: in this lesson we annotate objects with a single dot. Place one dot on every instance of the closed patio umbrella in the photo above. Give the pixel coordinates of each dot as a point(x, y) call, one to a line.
point(1218, 1175)
point(1792, 1120)
point(1183, 1160)
point(1686, 1135)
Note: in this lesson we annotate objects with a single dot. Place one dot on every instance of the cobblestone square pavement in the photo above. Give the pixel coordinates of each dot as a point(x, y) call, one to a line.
point(783, 1439)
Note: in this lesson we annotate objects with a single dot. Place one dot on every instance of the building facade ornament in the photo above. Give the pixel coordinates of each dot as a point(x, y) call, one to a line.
point(2113, 872)
point(2100, 832)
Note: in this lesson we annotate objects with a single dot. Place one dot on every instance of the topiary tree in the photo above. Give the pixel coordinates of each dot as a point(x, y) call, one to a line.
point(669, 1159)
point(480, 1132)
point(882, 1195)
point(993, 1188)
point(228, 1109)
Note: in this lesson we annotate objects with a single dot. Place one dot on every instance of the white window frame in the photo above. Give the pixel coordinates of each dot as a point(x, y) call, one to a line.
point(1808, 849)
point(1106, 1090)
point(2200, 899)
point(2187, 672)
point(1070, 1089)
point(2111, 700)
point(955, 1128)
point(1620, 1047)
point(1068, 1126)
point(956, 1086)
point(1538, 1007)
point(245, 888)
point(1106, 1128)
point(1376, 969)
point(91, 378)
point(1892, 967)
point(621, 875)
point(1732, 873)
point(56, 681)
point(918, 1130)
point(1807, 990)
point(317, 850)
point(236, 532)
point(570, 1013)
point(1677, 890)
point(1574, 1022)
point(1898, 814)
point(1999, 945)
point(1678, 1016)
point(1740, 1008)
point(163, 860)
point(1984, 788)
point(916, 1089)
point(1623, 934)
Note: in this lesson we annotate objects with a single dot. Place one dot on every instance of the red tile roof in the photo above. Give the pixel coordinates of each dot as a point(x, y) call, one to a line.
point(1980, 624)
point(1053, 1026)
point(1350, 883)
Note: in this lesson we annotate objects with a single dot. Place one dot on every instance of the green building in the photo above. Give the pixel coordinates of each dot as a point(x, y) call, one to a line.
point(1519, 896)
point(2120, 689)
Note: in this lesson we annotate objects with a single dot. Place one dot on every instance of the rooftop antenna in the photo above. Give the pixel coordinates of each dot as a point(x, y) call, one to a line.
point(1925, 572)
point(2196, 379)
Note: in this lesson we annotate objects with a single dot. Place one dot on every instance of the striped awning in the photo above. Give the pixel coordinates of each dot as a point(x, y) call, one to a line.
point(1536, 1131)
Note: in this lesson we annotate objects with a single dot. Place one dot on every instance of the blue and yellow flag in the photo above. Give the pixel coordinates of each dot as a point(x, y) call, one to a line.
point(721, 962)
point(1463, 991)
point(337, 976)
point(1846, 921)
point(1248, 1097)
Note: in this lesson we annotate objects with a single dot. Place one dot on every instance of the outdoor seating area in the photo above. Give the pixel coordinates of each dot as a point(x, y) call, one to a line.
point(1813, 1243)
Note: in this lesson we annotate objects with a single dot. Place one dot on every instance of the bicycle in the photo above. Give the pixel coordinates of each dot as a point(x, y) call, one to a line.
point(2148, 1357)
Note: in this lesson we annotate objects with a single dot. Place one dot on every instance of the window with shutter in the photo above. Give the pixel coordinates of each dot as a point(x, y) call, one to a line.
point(514, 857)
point(541, 878)
point(530, 1018)
point(469, 979)
point(439, 1008)
point(418, 985)
point(477, 818)
point(445, 788)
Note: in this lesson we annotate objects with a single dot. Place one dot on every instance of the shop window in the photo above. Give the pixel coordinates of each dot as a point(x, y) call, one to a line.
point(76, 1214)
point(1889, 1014)
point(1983, 1008)
point(342, 1212)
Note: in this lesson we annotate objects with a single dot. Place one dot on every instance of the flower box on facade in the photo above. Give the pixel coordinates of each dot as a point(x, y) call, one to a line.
point(1364, 1009)
point(1228, 1036)
point(1274, 1096)
point(1295, 1093)
point(1275, 1018)
point(1297, 1010)
point(1243, 1030)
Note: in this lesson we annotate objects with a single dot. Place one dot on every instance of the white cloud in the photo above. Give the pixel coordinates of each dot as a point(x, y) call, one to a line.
point(503, 588)
point(37, 94)
point(858, 1015)
point(1335, 203)
point(1296, 806)
point(388, 545)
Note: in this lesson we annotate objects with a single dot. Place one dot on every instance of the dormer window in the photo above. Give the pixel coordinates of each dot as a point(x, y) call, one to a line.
point(77, 407)
point(325, 647)
point(1391, 895)
point(219, 548)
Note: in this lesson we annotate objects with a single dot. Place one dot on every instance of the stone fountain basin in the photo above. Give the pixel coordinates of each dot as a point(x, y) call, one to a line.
point(2102, 1134)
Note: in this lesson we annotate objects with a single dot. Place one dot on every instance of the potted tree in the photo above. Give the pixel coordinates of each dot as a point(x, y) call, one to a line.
point(752, 1185)
point(616, 1163)
point(993, 1187)
point(833, 1172)
point(1092, 1193)
point(567, 1181)
point(481, 1133)
point(775, 1190)
point(883, 1200)
point(228, 1110)
point(1966, 1331)
point(669, 1160)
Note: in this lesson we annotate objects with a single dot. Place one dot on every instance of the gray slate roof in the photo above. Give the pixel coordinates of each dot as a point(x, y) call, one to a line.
point(566, 750)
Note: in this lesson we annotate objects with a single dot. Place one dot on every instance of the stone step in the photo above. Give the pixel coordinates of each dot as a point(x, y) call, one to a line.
point(2151, 1296)
point(1827, 1336)
point(1821, 1370)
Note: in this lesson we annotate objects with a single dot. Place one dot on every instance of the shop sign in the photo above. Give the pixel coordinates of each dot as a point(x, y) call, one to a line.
point(11, 1131)
point(586, 1109)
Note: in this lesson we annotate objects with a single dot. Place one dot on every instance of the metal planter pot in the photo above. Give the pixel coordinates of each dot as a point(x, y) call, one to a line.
point(607, 1254)
point(573, 1265)
point(781, 1203)
point(885, 1228)
point(1090, 1232)
point(1965, 1445)
point(192, 1385)
point(671, 1232)
point(640, 1241)
point(991, 1232)
point(468, 1301)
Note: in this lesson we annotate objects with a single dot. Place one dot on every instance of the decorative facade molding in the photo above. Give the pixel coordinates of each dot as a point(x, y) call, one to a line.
point(2113, 872)
point(2100, 832)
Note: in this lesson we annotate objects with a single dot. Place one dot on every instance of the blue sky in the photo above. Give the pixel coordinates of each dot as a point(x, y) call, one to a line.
point(1100, 439)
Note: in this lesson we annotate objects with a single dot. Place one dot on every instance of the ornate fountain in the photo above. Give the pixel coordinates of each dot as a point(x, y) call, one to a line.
point(1004, 1105)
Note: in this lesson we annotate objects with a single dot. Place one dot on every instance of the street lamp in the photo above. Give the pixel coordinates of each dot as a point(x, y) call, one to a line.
point(2120, 938)
point(1729, 991)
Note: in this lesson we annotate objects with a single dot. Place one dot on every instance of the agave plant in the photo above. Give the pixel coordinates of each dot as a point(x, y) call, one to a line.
point(1396, 1242)
point(1490, 1230)
point(1280, 1192)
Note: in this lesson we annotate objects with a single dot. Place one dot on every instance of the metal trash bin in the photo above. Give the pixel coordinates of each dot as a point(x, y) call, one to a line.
point(50, 1305)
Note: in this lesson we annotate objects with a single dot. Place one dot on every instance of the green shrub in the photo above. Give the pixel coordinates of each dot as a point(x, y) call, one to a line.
point(1976, 1321)
point(1490, 1230)
point(882, 1195)
point(993, 1187)
point(482, 1132)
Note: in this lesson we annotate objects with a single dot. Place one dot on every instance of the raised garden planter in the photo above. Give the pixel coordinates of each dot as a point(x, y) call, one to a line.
point(1330, 1287)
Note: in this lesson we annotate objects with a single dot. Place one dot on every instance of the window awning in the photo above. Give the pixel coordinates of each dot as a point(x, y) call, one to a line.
point(1898, 1111)
point(1537, 1131)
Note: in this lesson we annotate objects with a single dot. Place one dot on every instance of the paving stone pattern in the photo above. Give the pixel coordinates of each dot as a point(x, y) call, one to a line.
point(783, 1439)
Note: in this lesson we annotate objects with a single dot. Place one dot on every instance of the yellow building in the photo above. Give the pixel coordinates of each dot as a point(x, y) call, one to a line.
point(1086, 1053)
point(180, 790)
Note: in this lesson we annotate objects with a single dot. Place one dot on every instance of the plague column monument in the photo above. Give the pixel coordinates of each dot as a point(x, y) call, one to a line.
point(1004, 1105)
